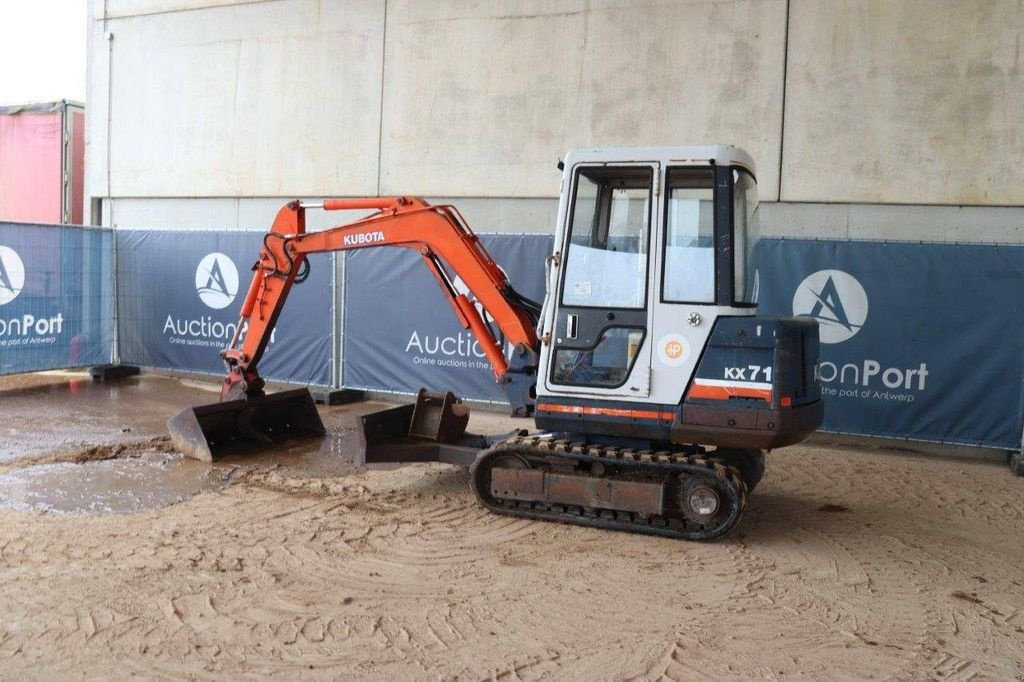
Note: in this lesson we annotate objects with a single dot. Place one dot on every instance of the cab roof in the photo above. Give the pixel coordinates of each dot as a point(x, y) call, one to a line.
point(701, 154)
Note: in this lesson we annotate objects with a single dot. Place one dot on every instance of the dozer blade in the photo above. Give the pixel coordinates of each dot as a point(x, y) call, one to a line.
point(239, 426)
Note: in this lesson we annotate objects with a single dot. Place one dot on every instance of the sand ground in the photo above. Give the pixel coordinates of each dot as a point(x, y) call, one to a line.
point(849, 564)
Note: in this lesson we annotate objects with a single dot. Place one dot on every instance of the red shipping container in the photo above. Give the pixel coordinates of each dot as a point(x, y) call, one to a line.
point(42, 163)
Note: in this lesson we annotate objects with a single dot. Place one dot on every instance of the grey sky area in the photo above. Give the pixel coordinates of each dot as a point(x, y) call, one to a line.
point(42, 48)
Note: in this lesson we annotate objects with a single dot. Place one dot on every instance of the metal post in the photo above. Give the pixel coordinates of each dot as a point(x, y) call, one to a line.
point(115, 351)
point(338, 317)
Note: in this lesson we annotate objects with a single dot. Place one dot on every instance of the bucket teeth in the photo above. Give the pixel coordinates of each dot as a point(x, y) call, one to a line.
point(238, 426)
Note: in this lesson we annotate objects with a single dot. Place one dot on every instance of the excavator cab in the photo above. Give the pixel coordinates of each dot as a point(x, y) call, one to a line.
point(650, 325)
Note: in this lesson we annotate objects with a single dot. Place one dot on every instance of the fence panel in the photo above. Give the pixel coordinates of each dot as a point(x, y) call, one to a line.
point(919, 341)
point(56, 285)
point(400, 334)
point(179, 295)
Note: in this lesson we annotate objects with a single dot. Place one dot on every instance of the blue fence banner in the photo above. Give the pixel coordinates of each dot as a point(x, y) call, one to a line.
point(919, 341)
point(179, 297)
point(400, 332)
point(56, 294)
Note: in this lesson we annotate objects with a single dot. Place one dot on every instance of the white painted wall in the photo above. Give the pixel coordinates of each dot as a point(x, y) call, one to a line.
point(219, 110)
point(909, 101)
point(258, 99)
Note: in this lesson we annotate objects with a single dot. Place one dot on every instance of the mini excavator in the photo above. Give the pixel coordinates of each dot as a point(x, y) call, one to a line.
point(654, 385)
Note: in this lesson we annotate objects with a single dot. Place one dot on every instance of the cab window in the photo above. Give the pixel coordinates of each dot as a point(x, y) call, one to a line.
point(746, 235)
point(606, 260)
point(688, 275)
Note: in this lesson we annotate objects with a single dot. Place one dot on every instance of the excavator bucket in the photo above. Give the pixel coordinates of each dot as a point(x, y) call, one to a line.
point(433, 429)
point(238, 426)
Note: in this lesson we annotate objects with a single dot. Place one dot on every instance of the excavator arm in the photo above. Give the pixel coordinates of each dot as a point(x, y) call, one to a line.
point(439, 235)
point(434, 426)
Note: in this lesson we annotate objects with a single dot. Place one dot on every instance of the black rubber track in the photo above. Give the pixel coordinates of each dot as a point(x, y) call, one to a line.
point(750, 464)
point(629, 465)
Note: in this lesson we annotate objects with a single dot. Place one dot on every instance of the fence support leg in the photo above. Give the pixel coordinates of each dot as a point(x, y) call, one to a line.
point(336, 396)
point(112, 372)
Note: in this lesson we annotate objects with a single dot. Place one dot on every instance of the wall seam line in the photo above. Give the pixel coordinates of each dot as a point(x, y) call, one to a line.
point(785, 79)
point(380, 118)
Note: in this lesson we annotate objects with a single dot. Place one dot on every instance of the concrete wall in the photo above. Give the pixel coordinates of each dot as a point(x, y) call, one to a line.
point(916, 101)
point(480, 97)
point(251, 100)
point(867, 119)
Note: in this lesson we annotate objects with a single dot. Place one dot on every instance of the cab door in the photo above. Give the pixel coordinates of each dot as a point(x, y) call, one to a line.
point(685, 303)
point(600, 340)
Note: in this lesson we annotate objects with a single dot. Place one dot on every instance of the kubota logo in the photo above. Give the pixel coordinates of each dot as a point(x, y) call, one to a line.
point(362, 238)
point(217, 280)
point(12, 274)
point(836, 300)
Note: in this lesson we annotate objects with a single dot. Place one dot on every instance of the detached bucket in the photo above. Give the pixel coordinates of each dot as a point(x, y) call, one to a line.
point(430, 430)
point(218, 429)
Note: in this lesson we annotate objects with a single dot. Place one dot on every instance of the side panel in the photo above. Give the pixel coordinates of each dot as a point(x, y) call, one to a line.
point(755, 388)
point(602, 418)
point(31, 157)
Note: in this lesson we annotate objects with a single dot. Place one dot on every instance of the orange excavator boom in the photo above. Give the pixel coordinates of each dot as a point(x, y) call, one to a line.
point(438, 234)
point(444, 241)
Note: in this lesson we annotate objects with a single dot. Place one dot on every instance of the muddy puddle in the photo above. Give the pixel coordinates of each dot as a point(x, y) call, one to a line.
point(126, 479)
point(111, 486)
point(73, 446)
point(332, 454)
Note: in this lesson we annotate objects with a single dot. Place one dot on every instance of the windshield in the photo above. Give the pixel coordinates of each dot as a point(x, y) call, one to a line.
point(606, 266)
point(746, 235)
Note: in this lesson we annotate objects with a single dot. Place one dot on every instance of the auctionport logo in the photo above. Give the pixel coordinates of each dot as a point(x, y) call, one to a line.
point(12, 274)
point(217, 286)
point(217, 280)
point(836, 300)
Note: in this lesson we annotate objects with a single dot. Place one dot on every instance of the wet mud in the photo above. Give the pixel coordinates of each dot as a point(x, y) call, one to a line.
point(109, 486)
point(71, 445)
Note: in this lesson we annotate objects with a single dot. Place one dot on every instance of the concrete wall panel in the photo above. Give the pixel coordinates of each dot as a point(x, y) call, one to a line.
point(267, 99)
point(481, 98)
point(918, 101)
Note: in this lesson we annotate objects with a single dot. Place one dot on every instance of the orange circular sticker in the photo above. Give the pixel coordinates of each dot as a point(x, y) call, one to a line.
point(673, 350)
